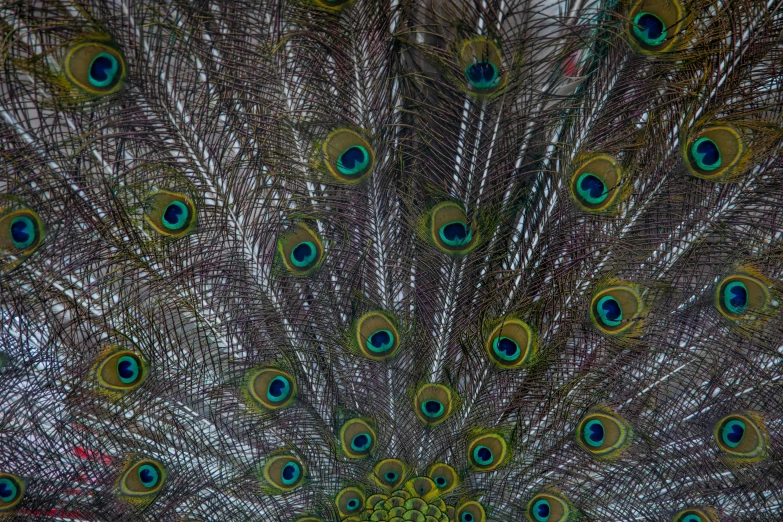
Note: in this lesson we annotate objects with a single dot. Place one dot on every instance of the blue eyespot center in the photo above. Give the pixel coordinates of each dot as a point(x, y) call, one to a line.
point(352, 504)
point(103, 70)
point(22, 231)
point(733, 432)
point(691, 518)
point(380, 341)
point(278, 390)
point(506, 348)
point(8, 490)
point(541, 510)
point(594, 433)
point(467, 517)
point(149, 476)
point(361, 442)
point(176, 215)
point(735, 297)
point(482, 75)
point(650, 29)
point(483, 455)
point(128, 369)
point(291, 473)
point(706, 153)
point(591, 188)
point(440, 481)
point(432, 408)
point(353, 160)
point(391, 476)
point(455, 234)
point(609, 311)
point(303, 254)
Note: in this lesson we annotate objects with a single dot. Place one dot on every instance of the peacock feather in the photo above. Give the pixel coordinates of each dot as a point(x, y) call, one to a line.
point(391, 260)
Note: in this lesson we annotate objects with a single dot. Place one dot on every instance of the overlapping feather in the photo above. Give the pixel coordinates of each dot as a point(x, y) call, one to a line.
point(230, 104)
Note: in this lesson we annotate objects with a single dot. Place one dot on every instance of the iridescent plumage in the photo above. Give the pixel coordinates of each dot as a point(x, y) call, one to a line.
point(392, 260)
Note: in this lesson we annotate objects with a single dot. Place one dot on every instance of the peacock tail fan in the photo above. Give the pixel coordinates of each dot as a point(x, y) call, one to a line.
point(347, 260)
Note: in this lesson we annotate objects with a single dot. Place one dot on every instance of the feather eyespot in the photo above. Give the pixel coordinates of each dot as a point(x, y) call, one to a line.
point(389, 473)
point(595, 184)
point(421, 487)
point(455, 234)
point(649, 29)
point(143, 478)
point(377, 336)
point(739, 295)
point(128, 369)
point(350, 501)
point(348, 156)
point(735, 297)
point(706, 154)
point(170, 214)
point(270, 388)
point(714, 152)
point(548, 506)
point(284, 472)
point(120, 370)
point(21, 233)
point(450, 229)
point(741, 436)
point(511, 343)
point(487, 452)
point(654, 25)
point(301, 250)
point(96, 68)
point(603, 434)
point(471, 511)
point(444, 477)
point(482, 66)
point(433, 403)
point(357, 438)
point(613, 310)
point(696, 515)
point(11, 491)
